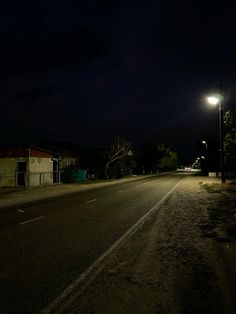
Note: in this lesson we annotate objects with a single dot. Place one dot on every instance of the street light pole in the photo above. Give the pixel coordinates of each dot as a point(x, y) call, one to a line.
point(221, 142)
point(205, 159)
point(205, 143)
point(217, 100)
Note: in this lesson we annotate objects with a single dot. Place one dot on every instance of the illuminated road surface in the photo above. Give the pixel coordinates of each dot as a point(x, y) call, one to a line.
point(46, 245)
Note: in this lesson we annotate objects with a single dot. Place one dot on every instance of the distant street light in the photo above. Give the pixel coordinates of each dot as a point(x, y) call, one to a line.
point(205, 158)
point(215, 100)
point(205, 143)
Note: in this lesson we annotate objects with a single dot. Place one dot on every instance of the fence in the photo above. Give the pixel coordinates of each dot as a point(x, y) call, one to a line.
point(29, 178)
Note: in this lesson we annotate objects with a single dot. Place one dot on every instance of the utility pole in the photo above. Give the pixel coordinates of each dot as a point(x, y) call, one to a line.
point(221, 125)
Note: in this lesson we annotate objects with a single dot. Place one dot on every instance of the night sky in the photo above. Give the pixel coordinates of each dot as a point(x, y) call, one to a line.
point(84, 72)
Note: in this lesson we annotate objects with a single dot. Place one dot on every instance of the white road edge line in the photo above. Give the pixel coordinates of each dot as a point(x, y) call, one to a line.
point(84, 279)
point(30, 220)
point(93, 200)
point(20, 210)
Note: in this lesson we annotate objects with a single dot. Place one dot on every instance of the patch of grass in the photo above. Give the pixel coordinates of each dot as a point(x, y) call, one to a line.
point(223, 240)
point(231, 230)
point(230, 190)
point(209, 188)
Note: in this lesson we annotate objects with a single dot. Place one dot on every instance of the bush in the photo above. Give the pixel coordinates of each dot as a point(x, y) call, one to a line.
point(67, 174)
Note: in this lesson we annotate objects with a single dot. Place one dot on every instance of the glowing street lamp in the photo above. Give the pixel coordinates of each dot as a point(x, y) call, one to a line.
point(205, 157)
point(216, 100)
point(205, 143)
point(212, 100)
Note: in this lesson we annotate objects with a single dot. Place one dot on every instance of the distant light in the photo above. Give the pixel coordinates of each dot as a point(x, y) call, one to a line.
point(204, 142)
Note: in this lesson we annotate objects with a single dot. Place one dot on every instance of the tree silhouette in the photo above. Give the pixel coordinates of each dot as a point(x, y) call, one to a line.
point(118, 150)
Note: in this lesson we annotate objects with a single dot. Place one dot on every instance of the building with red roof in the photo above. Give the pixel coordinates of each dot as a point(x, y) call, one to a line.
point(29, 166)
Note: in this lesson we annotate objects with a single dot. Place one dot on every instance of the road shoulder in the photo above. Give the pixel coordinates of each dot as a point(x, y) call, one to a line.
point(171, 265)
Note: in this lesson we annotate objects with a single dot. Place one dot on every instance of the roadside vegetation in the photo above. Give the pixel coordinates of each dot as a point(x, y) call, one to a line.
point(120, 160)
point(222, 226)
point(230, 141)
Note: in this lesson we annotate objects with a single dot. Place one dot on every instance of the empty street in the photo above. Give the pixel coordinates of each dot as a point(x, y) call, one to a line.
point(47, 244)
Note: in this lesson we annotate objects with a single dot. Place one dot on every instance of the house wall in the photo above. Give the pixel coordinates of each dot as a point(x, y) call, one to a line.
point(41, 171)
point(68, 161)
point(8, 167)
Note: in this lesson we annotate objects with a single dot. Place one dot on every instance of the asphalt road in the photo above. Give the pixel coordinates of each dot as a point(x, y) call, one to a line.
point(46, 244)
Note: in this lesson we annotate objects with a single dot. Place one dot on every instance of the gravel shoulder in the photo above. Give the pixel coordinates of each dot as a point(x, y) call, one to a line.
point(182, 260)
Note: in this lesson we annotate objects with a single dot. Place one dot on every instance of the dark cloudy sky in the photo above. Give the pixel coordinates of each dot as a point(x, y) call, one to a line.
point(85, 71)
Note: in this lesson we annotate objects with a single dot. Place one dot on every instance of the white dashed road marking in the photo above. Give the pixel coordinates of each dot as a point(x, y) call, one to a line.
point(30, 220)
point(93, 200)
point(20, 210)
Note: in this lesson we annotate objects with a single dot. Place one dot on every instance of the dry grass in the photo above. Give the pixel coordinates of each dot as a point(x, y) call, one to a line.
point(223, 215)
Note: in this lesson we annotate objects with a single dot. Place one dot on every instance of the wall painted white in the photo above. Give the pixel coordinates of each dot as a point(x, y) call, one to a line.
point(39, 170)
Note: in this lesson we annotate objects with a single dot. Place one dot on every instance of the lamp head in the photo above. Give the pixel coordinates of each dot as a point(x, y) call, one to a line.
point(215, 99)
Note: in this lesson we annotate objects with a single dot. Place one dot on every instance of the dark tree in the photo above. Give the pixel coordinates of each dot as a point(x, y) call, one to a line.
point(230, 141)
point(158, 158)
point(167, 159)
point(120, 160)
